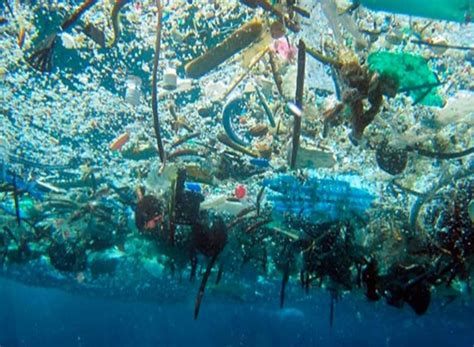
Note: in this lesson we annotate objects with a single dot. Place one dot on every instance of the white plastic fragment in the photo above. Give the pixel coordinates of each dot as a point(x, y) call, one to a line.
point(68, 41)
point(295, 110)
point(170, 79)
point(133, 93)
point(458, 109)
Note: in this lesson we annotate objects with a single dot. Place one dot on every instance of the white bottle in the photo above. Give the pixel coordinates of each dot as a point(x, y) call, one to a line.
point(133, 92)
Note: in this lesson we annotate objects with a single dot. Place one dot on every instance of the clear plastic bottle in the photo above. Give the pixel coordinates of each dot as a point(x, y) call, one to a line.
point(133, 92)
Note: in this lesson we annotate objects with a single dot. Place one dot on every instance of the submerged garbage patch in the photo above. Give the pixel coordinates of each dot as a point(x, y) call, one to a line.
point(239, 144)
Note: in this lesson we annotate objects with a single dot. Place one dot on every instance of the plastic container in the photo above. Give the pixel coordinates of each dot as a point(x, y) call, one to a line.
point(133, 92)
point(170, 79)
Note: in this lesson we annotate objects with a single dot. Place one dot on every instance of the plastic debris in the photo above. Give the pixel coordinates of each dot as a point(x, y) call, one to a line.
point(133, 93)
point(170, 79)
point(240, 191)
point(239, 40)
point(248, 176)
point(412, 74)
point(119, 142)
point(311, 158)
point(318, 199)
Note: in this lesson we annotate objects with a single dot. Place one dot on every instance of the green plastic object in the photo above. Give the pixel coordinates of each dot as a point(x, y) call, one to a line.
point(412, 74)
point(452, 10)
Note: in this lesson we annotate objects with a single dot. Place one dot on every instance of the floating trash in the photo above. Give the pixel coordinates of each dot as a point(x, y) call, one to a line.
point(411, 73)
point(133, 93)
point(390, 159)
point(246, 145)
point(317, 199)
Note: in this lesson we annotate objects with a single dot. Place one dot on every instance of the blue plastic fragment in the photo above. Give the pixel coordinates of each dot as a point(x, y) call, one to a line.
point(193, 187)
point(21, 185)
point(260, 162)
point(233, 108)
point(320, 199)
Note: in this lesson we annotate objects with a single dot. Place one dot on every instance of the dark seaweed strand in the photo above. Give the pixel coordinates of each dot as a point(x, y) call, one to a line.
point(242, 216)
point(10, 233)
point(219, 274)
point(202, 287)
point(76, 14)
point(4, 255)
point(115, 19)
point(301, 11)
point(224, 139)
point(298, 101)
point(441, 45)
point(441, 155)
point(154, 91)
point(185, 139)
point(9, 8)
point(185, 152)
point(171, 212)
point(245, 212)
point(41, 58)
point(259, 199)
point(257, 225)
point(284, 282)
point(17, 202)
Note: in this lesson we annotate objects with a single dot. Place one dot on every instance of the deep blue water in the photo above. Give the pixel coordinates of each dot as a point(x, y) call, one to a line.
point(46, 317)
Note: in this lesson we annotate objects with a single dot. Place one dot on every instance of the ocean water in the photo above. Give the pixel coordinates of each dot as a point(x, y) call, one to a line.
point(236, 173)
point(45, 317)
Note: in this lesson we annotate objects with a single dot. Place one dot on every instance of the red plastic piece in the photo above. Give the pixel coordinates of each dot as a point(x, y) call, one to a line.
point(240, 191)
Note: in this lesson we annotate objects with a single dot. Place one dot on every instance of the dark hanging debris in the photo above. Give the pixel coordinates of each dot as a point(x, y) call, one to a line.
point(41, 58)
point(284, 282)
point(210, 240)
point(297, 118)
point(17, 201)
